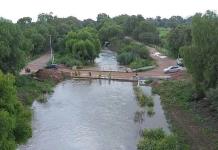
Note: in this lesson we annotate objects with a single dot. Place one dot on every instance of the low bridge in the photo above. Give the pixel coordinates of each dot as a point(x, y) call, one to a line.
point(110, 75)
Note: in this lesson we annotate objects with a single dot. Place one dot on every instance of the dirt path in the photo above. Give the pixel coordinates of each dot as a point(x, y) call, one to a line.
point(161, 62)
point(36, 64)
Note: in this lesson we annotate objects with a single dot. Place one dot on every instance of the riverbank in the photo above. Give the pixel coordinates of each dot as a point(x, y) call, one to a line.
point(30, 89)
point(194, 127)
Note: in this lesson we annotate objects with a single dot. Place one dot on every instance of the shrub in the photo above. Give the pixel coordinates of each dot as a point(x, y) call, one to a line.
point(125, 58)
point(149, 101)
point(138, 63)
point(212, 95)
point(142, 99)
point(172, 92)
point(150, 111)
point(156, 139)
point(134, 54)
point(30, 89)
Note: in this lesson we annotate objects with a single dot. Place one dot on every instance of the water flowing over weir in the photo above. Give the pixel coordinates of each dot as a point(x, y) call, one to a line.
point(92, 115)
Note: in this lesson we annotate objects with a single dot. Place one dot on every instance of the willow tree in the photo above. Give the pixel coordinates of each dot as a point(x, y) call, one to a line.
point(83, 45)
point(201, 58)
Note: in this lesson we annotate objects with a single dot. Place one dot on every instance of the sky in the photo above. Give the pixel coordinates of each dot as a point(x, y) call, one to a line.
point(83, 9)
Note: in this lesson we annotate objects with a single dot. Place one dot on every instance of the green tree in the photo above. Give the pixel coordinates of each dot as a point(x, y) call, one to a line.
point(24, 20)
point(178, 37)
point(12, 57)
point(201, 58)
point(15, 119)
point(83, 45)
point(110, 30)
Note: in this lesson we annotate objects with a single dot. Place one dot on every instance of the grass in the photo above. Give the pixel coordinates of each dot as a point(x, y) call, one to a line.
point(29, 89)
point(175, 92)
point(142, 99)
point(157, 139)
point(176, 97)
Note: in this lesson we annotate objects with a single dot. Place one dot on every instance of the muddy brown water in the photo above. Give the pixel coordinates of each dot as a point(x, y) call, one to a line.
point(92, 115)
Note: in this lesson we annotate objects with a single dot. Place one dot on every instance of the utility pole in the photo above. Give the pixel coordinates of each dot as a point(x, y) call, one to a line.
point(52, 57)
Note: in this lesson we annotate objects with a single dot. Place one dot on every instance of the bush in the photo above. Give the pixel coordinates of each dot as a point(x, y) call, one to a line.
point(30, 89)
point(142, 99)
point(140, 96)
point(140, 63)
point(212, 95)
point(149, 101)
point(156, 139)
point(179, 92)
point(150, 111)
point(125, 58)
point(134, 54)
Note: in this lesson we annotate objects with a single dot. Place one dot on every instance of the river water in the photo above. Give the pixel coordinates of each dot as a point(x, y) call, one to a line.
point(92, 114)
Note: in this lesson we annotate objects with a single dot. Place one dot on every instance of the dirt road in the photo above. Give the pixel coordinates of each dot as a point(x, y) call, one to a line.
point(36, 64)
point(161, 62)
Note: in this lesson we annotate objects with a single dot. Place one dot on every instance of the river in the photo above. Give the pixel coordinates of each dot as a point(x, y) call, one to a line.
point(92, 114)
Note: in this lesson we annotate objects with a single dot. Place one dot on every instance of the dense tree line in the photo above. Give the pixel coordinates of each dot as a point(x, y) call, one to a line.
point(26, 39)
point(136, 27)
point(172, 22)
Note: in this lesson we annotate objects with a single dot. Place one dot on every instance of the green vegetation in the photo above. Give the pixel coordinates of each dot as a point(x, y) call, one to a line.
point(29, 89)
point(109, 30)
point(175, 92)
point(156, 139)
point(135, 55)
point(177, 98)
point(150, 111)
point(201, 58)
point(176, 95)
point(174, 39)
point(212, 96)
point(178, 37)
point(82, 47)
point(78, 43)
point(12, 47)
point(163, 32)
point(15, 126)
point(142, 98)
point(172, 22)
point(138, 28)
